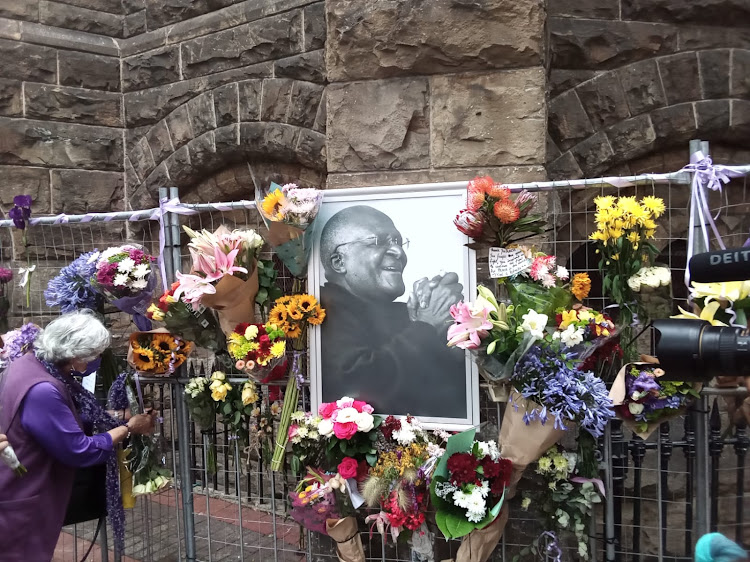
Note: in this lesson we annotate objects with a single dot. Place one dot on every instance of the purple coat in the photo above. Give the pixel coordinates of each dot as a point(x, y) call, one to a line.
point(32, 508)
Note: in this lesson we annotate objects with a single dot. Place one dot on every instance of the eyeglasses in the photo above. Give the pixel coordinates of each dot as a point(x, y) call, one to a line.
point(378, 242)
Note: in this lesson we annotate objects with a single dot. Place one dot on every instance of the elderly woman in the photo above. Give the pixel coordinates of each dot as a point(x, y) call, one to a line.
point(44, 411)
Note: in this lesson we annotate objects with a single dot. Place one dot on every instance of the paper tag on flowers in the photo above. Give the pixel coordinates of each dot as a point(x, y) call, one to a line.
point(505, 262)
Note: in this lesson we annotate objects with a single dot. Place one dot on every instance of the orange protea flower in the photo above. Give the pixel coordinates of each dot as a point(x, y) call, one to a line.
point(506, 211)
point(580, 286)
point(499, 191)
point(482, 184)
point(318, 317)
point(474, 199)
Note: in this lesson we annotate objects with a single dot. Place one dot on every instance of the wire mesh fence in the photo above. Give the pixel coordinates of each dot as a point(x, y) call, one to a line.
point(238, 511)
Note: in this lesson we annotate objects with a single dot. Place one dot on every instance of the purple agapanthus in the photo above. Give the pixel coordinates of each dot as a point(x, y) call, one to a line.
point(71, 289)
point(567, 395)
point(19, 342)
point(6, 275)
point(21, 211)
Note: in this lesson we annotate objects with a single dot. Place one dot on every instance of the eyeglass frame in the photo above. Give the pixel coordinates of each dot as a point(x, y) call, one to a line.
point(391, 243)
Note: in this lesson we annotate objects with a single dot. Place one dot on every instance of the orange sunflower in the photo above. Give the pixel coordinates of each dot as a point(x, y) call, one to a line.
point(143, 358)
point(307, 303)
point(292, 330)
point(272, 203)
point(164, 343)
point(317, 318)
point(278, 315)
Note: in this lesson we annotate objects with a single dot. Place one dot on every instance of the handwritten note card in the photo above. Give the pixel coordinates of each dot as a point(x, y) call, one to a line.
point(506, 263)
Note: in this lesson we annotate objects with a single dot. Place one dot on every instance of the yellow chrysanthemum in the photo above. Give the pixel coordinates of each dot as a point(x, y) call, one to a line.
point(278, 314)
point(634, 238)
point(599, 235)
point(273, 202)
point(278, 348)
point(317, 318)
point(655, 205)
point(580, 286)
point(143, 358)
point(649, 224)
point(629, 205)
point(604, 201)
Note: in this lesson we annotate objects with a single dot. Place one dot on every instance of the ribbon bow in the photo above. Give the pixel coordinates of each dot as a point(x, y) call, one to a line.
point(380, 520)
point(167, 206)
point(552, 550)
point(25, 273)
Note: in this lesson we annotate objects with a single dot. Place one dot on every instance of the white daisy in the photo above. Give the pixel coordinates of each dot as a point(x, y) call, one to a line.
point(141, 270)
point(126, 265)
point(139, 284)
point(121, 280)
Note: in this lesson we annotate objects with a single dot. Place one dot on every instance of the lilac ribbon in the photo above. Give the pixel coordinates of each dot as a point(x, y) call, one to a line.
point(596, 481)
point(552, 548)
point(706, 175)
point(297, 368)
point(167, 206)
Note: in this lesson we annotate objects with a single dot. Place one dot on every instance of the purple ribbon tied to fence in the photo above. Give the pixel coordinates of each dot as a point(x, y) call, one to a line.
point(551, 549)
point(706, 175)
point(167, 206)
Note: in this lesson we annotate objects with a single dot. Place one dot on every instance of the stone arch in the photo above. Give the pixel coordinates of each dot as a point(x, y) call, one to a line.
point(271, 119)
point(649, 106)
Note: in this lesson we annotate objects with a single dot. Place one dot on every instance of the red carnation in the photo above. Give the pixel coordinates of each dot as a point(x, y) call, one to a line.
point(462, 468)
point(390, 425)
point(264, 339)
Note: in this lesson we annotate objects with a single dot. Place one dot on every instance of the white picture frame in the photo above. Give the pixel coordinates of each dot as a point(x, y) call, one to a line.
point(423, 214)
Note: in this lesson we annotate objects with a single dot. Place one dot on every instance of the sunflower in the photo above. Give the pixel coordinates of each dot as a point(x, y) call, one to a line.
point(317, 318)
point(143, 359)
point(164, 343)
point(278, 314)
point(272, 203)
point(286, 299)
point(307, 302)
point(294, 312)
point(292, 330)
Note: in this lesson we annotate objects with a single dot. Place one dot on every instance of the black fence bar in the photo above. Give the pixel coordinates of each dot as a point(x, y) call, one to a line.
point(715, 447)
point(689, 451)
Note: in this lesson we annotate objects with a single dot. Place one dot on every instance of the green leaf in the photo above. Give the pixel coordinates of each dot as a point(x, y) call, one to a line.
point(262, 296)
point(371, 459)
point(459, 443)
point(227, 408)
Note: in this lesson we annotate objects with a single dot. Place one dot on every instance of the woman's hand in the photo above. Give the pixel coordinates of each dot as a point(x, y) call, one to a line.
point(3, 442)
point(142, 424)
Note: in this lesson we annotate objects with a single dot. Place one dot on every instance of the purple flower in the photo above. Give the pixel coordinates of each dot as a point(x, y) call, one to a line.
point(71, 289)
point(644, 383)
point(21, 211)
point(20, 341)
point(6, 275)
point(22, 201)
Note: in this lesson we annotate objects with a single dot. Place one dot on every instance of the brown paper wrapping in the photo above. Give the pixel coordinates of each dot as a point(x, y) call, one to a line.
point(479, 545)
point(348, 542)
point(280, 233)
point(617, 395)
point(133, 337)
point(234, 300)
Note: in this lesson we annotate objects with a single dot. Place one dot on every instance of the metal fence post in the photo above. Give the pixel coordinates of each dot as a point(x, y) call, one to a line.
point(172, 264)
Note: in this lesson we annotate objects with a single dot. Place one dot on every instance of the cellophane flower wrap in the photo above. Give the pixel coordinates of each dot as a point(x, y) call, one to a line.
point(591, 335)
point(157, 352)
point(289, 213)
point(468, 486)
point(643, 401)
point(192, 322)
point(314, 501)
point(224, 273)
point(652, 287)
point(125, 276)
point(492, 215)
point(256, 348)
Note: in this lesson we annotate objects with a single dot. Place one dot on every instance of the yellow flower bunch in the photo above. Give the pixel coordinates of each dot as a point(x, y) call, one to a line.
point(157, 353)
point(219, 386)
point(626, 217)
point(580, 285)
point(403, 459)
point(293, 312)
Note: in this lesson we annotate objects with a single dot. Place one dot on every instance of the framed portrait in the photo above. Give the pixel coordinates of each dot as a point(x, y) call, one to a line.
point(387, 265)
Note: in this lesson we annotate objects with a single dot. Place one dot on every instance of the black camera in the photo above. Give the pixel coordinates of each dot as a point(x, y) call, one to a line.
point(694, 350)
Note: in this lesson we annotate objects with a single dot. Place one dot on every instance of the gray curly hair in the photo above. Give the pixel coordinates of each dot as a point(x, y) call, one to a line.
point(76, 335)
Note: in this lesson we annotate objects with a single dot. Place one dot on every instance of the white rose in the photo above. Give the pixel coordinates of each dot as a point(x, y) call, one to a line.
point(635, 409)
point(364, 421)
point(346, 415)
point(325, 428)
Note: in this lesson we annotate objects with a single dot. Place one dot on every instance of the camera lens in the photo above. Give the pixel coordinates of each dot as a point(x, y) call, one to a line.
point(691, 350)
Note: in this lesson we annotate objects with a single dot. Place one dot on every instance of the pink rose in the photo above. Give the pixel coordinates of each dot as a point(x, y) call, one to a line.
point(344, 430)
point(292, 431)
point(327, 409)
point(359, 405)
point(348, 468)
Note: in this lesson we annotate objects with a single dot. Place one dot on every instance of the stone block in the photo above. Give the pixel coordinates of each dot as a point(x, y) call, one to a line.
point(73, 104)
point(180, 129)
point(226, 104)
point(131, 176)
point(631, 138)
point(311, 149)
point(679, 76)
point(179, 166)
point(280, 142)
point(272, 38)
point(695, 38)
point(597, 44)
point(591, 9)
point(23, 61)
point(141, 158)
point(86, 70)
point(491, 119)
point(143, 42)
point(159, 141)
point(642, 86)
point(81, 19)
point(740, 81)
point(10, 29)
point(728, 13)
point(407, 37)
point(226, 139)
point(565, 167)
point(552, 151)
point(674, 124)
point(562, 80)
point(26, 10)
point(594, 154)
point(201, 110)
point(315, 26)
point(11, 102)
point(310, 67)
point(165, 12)
point(110, 6)
point(34, 182)
point(204, 157)
point(250, 92)
point(714, 73)
point(604, 100)
point(739, 129)
point(712, 115)
point(134, 24)
point(65, 145)
point(145, 107)
point(103, 191)
point(131, 6)
point(154, 68)
point(568, 122)
point(392, 134)
point(304, 103)
point(277, 94)
point(75, 40)
point(320, 119)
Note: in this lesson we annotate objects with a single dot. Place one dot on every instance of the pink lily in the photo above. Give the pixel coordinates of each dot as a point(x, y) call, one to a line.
point(192, 288)
point(469, 326)
point(225, 262)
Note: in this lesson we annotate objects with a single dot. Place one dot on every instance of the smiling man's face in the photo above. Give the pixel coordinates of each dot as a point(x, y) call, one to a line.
point(374, 259)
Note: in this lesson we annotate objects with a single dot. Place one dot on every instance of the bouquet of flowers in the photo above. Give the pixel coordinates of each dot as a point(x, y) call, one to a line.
point(72, 288)
point(289, 212)
point(256, 348)
point(307, 443)
point(124, 275)
point(348, 425)
point(314, 501)
point(18, 342)
point(590, 334)
point(468, 490)
point(157, 352)
point(652, 287)
point(10, 459)
point(493, 216)
point(192, 322)
point(624, 227)
point(294, 314)
point(224, 274)
point(643, 401)
point(566, 500)
point(723, 303)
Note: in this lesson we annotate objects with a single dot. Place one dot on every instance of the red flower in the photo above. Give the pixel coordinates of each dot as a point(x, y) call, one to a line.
point(362, 471)
point(390, 425)
point(359, 405)
point(264, 339)
point(492, 469)
point(481, 183)
point(348, 467)
point(327, 409)
point(462, 468)
point(470, 223)
point(344, 430)
point(506, 211)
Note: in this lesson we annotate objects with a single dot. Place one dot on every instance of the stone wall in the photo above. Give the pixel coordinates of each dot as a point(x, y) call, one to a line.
point(631, 78)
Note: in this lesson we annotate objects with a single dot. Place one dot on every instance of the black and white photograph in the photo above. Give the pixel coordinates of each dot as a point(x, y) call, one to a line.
point(387, 266)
